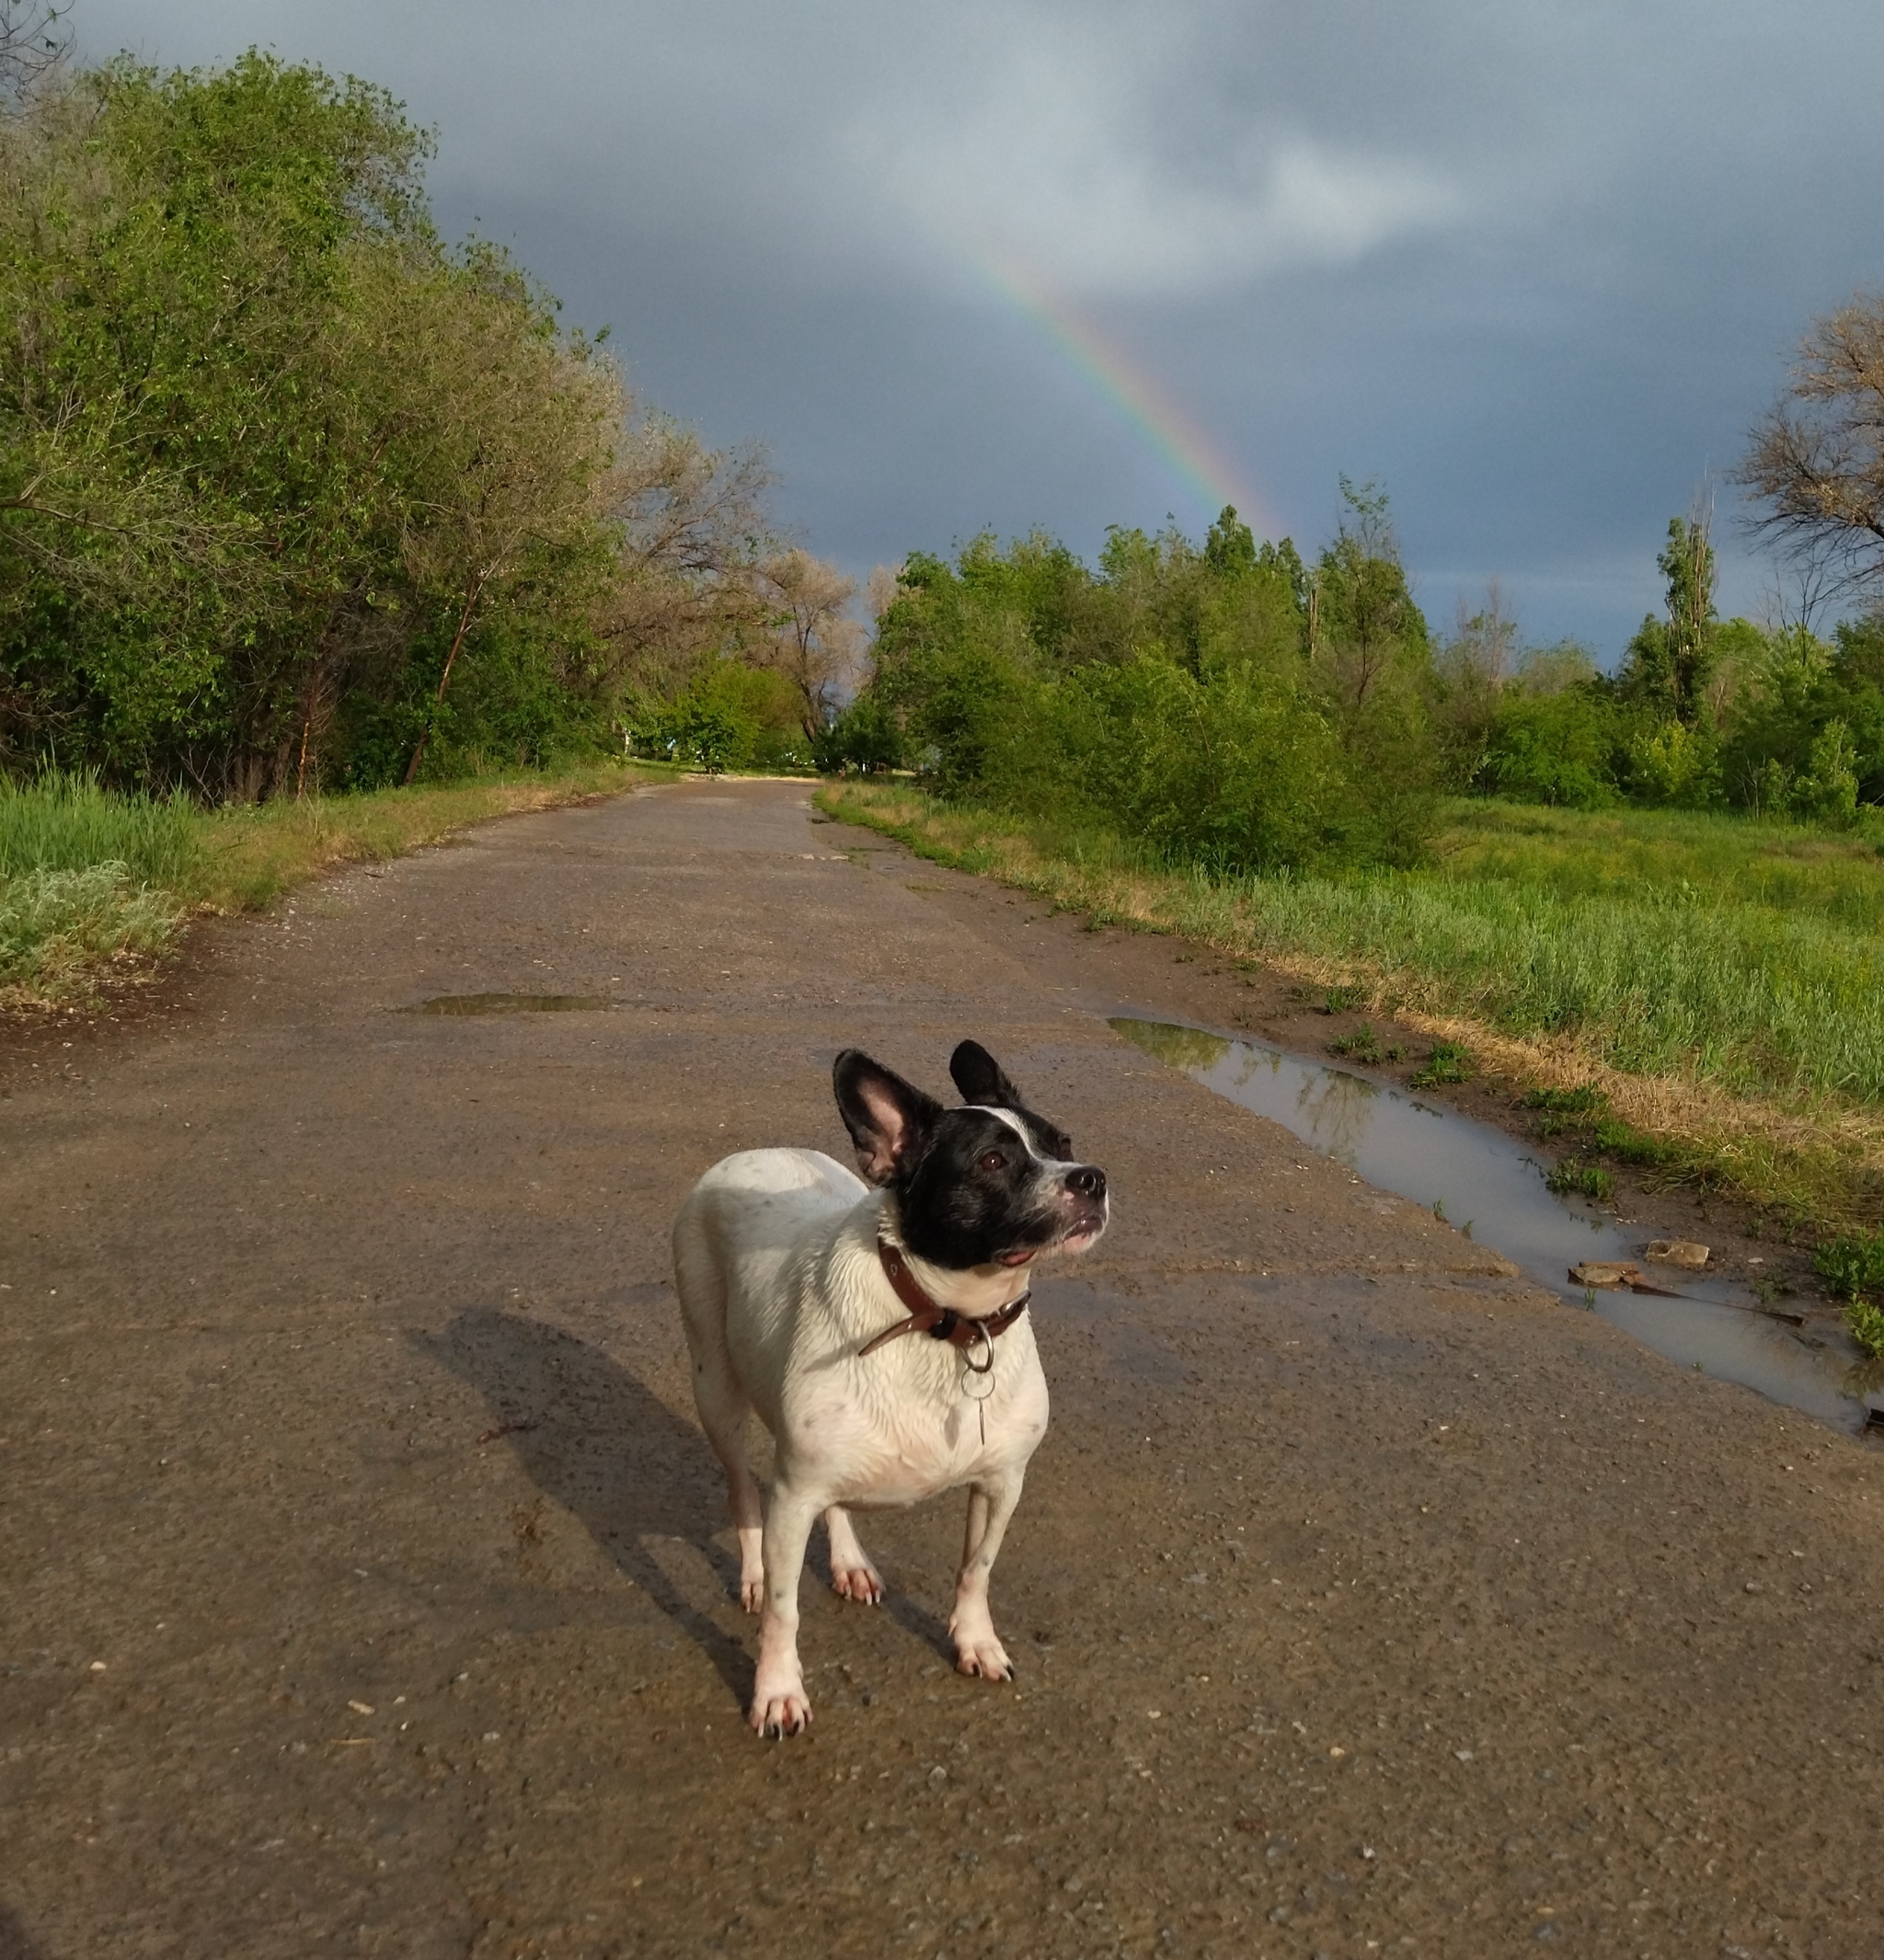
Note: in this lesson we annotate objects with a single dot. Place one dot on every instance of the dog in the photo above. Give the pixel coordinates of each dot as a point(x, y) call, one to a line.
point(798, 1284)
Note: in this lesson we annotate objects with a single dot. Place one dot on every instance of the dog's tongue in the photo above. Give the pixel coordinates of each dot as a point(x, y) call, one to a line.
point(1016, 1258)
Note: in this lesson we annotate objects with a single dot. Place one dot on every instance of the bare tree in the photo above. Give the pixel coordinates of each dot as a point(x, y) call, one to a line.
point(1817, 460)
point(815, 643)
point(1485, 643)
point(33, 40)
point(691, 534)
point(882, 587)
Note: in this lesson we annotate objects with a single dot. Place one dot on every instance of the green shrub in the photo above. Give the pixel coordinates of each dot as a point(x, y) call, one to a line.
point(1554, 749)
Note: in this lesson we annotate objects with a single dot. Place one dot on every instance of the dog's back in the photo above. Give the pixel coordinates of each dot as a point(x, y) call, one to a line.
point(739, 1227)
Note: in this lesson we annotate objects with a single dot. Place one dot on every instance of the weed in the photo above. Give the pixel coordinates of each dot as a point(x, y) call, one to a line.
point(1394, 1052)
point(1438, 1210)
point(1854, 1265)
point(1866, 1324)
point(1342, 1000)
point(1571, 1179)
point(1362, 1045)
point(1449, 1062)
point(62, 822)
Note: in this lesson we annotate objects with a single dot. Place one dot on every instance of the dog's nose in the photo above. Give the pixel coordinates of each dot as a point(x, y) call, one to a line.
point(1088, 1180)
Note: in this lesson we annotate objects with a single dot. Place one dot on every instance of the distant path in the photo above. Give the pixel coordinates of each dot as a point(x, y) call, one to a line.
point(1362, 1594)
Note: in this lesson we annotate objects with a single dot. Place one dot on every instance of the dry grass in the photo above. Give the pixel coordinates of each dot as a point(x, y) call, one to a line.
point(1805, 1152)
point(250, 855)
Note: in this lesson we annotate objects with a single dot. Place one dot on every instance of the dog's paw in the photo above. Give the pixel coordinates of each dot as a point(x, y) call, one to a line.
point(861, 1582)
point(985, 1657)
point(752, 1592)
point(784, 1713)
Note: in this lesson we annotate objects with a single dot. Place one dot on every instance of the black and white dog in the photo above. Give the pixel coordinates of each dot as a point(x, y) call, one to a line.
point(798, 1283)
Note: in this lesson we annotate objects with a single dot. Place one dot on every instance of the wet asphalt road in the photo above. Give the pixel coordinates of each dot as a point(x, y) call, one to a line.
point(367, 1584)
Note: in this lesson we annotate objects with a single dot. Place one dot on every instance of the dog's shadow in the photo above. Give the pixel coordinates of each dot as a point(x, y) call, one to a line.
point(608, 1450)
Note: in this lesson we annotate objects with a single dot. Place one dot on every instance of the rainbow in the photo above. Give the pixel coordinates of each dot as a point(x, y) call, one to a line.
point(1138, 397)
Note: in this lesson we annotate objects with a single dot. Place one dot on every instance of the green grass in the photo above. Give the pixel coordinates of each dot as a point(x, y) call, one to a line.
point(86, 878)
point(67, 823)
point(1677, 855)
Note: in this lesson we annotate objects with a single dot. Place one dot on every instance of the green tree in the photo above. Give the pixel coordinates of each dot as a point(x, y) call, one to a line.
point(1670, 660)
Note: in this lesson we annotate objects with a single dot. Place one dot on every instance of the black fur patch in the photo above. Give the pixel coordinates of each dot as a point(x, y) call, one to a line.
point(969, 1190)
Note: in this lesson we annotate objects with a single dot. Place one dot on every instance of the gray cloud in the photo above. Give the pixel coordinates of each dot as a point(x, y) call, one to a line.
point(1538, 266)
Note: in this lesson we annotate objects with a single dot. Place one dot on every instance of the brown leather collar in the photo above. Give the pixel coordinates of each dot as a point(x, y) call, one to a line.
point(940, 1323)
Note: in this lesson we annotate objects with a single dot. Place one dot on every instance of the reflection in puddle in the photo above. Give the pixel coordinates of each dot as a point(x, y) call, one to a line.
point(511, 1003)
point(1486, 1179)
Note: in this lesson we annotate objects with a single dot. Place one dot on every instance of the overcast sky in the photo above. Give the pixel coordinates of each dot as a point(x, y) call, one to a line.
point(1535, 264)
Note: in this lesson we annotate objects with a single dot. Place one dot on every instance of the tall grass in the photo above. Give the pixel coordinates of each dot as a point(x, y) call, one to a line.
point(1787, 867)
point(61, 822)
point(85, 877)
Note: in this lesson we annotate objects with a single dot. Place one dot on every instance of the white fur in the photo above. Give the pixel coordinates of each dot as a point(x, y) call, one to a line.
point(780, 1284)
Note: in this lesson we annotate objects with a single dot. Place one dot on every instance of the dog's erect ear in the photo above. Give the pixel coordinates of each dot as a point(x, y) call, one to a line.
point(981, 1079)
point(888, 1119)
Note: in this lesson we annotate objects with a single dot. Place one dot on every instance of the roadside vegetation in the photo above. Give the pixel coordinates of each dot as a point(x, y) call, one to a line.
point(321, 535)
point(296, 496)
point(93, 882)
point(1720, 1036)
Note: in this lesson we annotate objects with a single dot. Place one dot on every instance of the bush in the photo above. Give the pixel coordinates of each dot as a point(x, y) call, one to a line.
point(1554, 749)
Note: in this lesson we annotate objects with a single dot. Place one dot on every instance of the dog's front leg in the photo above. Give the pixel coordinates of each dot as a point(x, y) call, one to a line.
point(779, 1703)
point(972, 1627)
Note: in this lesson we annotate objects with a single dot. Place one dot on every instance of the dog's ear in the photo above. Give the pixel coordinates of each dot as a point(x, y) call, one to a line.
point(981, 1079)
point(888, 1119)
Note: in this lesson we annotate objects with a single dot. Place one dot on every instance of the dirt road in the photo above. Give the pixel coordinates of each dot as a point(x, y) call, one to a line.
point(366, 1577)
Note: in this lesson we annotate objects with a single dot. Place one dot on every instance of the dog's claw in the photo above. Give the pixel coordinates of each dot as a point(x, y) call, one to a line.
point(987, 1659)
point(753, 1594)
point(776, 1716)
point(858, 1582)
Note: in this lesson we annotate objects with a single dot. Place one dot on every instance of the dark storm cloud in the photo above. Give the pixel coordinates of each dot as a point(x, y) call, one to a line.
point(1537, 266)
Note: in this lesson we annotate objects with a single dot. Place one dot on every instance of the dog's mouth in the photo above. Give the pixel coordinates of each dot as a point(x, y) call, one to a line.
point(1081, 1234)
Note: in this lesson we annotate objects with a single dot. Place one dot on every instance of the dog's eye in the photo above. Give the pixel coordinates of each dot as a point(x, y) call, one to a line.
point(994, 1160)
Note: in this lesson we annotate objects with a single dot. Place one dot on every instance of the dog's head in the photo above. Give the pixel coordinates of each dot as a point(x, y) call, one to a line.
point(989, 1184)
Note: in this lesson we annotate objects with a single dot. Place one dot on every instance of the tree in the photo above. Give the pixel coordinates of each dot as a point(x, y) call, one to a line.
point(815, 644)
point(1670, 660)
point(690, 531)
point(32, 43)
point(1817, 459)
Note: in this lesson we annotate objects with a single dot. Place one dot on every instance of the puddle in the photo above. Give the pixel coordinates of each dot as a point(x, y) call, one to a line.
point(1433, 1156)
point(466, 1004)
